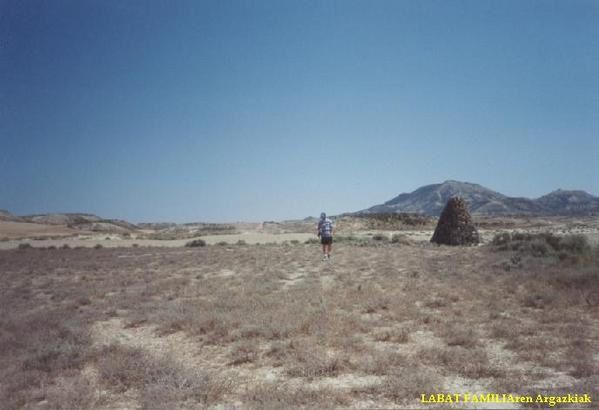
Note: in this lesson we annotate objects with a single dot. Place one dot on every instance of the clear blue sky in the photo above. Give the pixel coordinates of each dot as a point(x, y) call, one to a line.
point(258, 110)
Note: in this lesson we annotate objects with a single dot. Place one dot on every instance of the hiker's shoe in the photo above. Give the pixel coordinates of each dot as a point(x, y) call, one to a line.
point(325, 257)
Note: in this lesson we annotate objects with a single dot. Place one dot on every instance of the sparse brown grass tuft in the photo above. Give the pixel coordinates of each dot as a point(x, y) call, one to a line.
point(313, 362)
point(400, 239)
point(162, 382)
point(393, 335)
point(269, 396)
point(406, 384)
point(469, 362)
point(244, 351)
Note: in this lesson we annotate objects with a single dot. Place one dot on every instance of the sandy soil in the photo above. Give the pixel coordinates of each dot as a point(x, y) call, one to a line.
point(115, 241)
point(15, 230)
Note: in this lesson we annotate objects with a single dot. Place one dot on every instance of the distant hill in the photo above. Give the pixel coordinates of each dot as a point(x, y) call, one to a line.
point(62, 219)
point(82, 222)
point(569, 202)
point(430, 200)
point(7, 216)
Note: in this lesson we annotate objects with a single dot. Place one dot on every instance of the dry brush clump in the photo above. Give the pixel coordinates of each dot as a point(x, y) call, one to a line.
point(42, 358)
point(311, 361)
point(468, 362)
point(276, 395)
point(379, 361)
point(392, 335)
point(458, 335)
point(160, 382)
point(557, 270)
point(381, 237)
point(403, 385)
point(196, 243)
point(400, 239)
point(571, 248)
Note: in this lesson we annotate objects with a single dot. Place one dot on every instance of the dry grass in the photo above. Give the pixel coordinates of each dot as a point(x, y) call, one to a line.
point(161, 383)
point(273, 326)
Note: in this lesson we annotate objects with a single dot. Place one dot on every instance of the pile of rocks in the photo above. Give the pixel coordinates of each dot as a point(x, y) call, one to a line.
point(455, 225)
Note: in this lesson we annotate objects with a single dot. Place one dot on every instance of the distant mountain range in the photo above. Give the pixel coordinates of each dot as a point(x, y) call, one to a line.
point(427, 200)
point(431, 199)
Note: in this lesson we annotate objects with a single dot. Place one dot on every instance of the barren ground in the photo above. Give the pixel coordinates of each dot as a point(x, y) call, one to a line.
point(273, 326)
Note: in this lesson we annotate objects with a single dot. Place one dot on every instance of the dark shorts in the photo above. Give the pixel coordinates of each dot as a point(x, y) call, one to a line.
point(326, 240)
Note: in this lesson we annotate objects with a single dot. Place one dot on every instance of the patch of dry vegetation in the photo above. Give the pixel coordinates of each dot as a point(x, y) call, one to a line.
point(160, 383)
point(273, 326)
point(385, 221)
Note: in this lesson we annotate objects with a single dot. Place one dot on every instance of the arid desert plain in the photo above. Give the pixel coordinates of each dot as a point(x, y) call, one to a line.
point(120, 318)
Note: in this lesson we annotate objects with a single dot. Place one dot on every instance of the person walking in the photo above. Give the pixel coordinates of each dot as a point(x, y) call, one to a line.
point(325, 233)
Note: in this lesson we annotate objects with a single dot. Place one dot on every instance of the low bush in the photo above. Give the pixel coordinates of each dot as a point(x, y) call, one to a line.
point(196, 243)
point(162, 382)
point(400, 239)
point(571, 248)
point(380, 237)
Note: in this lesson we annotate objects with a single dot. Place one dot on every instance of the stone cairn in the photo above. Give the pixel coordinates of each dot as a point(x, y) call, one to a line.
point(455, 225)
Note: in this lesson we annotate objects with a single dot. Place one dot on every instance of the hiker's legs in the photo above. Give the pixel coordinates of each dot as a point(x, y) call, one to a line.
point(326, 247)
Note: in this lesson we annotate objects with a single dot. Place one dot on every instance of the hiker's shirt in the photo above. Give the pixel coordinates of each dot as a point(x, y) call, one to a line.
point(325, 227)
